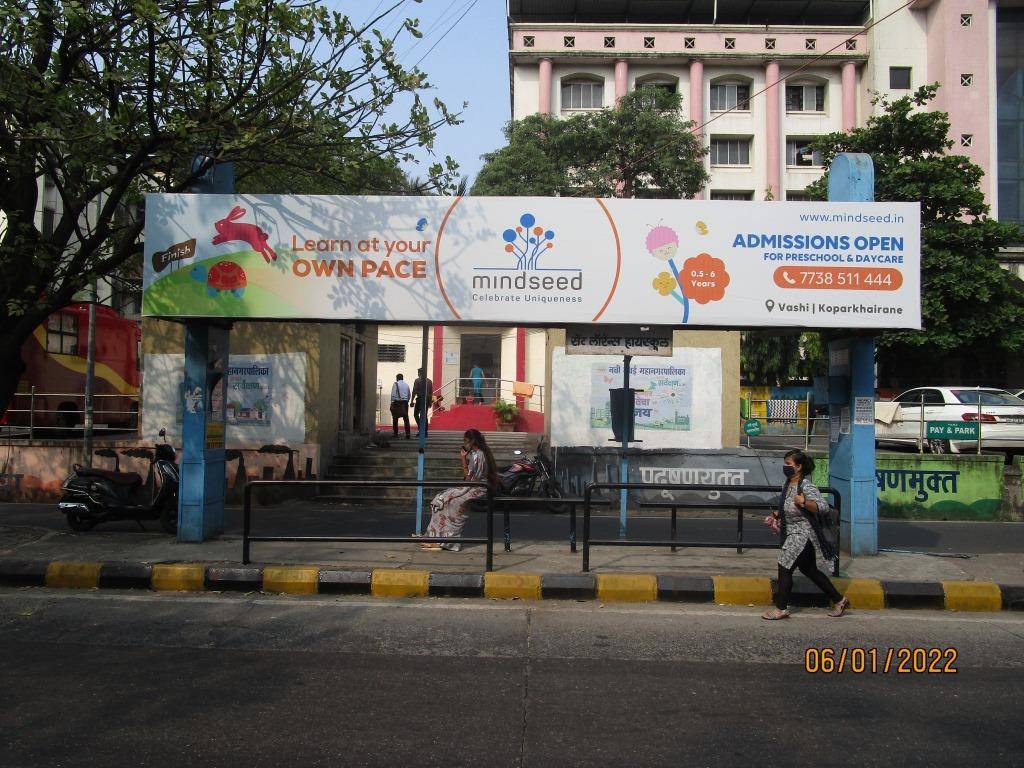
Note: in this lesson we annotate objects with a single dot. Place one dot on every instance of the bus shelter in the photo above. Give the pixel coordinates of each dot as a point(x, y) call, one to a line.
point(850, 264)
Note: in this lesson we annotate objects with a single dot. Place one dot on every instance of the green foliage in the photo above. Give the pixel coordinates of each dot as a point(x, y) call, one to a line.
point(770, 358)
point(113, 99)
point(505, 411)
point(968, 301)
point(639, 148)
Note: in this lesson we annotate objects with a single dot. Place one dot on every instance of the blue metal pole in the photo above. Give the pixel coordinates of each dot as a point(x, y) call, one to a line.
point(423, 401)
point(851, 381)
point(627, 420)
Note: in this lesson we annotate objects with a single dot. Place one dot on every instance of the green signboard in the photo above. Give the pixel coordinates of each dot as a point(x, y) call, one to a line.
point(752, 427)
point(953, 430)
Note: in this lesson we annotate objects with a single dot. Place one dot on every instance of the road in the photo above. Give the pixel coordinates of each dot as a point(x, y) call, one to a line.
point(323, 520)
point(138, 679)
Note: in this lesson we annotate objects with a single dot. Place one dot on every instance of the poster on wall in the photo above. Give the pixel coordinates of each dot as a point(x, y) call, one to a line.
point(680, 406)
point(265, 398)
point(663, 400)
point(552, 260)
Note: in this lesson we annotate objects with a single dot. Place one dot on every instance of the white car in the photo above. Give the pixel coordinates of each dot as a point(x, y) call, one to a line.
point(1001, 418)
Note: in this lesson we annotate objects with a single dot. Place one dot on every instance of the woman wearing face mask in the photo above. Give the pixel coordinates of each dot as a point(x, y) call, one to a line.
point(800, 548)
point(448, 508)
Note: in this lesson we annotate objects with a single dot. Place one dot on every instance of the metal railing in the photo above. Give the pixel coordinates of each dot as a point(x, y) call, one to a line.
point(673, 542)
point(463, 390)
point(248, 538)
point(809, 420)
point(38, 416)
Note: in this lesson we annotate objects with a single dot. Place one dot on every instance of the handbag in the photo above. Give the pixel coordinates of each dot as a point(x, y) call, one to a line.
point(399, 408)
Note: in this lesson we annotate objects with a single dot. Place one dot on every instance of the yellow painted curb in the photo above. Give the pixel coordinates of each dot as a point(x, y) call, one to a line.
point(525, 586)
point(863, 593)
point(73, 575)
point(627, 587)
point(972, 596)
point(742, 590)
point(178, 577)
point(292, 580)
point(394, 582)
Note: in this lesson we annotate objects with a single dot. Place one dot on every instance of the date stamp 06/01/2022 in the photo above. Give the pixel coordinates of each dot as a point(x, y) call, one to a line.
point(901, 661)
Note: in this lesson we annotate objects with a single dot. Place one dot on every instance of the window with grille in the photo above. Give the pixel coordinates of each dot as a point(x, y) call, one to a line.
point(769, 43)
point(810, 44)
point(529, 41)
point(899, 78)
point(569, 41)
point(730, 96)
point(689, 42)
point(966, 80)
point(800, 155)
point(651, 87)
point(609, 42)
point(966, 139)
point(582, 94)
point(391, 353)
point(648, 42)
point(62, 334)
point(731, 195)
point(730, 151)
point(966, 19)
point(797, 196)
point(730, 43)
point(805, 98)
point(851, 45)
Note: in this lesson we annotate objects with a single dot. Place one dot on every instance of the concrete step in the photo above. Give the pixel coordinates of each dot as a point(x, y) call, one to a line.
point(396, 472)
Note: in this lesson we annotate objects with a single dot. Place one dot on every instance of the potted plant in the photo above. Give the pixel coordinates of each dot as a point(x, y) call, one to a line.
point(505, 413)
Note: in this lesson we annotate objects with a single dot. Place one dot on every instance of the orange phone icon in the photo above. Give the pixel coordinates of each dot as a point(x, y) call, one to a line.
point(787, 278)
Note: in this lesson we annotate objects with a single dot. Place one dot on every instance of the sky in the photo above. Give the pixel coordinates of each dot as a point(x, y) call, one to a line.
point(470, 64)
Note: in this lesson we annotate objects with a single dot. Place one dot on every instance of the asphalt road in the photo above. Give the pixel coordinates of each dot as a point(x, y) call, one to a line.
point(137, 679)
point(322, 520)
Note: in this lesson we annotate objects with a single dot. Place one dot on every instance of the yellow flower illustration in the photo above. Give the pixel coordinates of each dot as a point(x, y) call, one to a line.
point(664, 283)
point(702, 227)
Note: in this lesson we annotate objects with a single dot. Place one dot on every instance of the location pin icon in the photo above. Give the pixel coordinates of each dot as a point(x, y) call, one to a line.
point(770, 305)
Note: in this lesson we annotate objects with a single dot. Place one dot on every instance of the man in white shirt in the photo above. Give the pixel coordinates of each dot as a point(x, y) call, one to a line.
point(400, 404)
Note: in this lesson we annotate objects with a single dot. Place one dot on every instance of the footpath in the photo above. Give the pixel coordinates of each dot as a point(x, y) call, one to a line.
point(37, 548)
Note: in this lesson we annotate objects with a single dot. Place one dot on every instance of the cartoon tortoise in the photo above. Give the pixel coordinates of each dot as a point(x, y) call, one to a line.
point(224, 276)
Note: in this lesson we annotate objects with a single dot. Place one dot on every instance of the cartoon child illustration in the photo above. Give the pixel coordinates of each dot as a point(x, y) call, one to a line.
point(663, 244)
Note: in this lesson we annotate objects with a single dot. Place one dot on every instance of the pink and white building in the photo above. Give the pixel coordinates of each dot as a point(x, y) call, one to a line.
point(793, 69)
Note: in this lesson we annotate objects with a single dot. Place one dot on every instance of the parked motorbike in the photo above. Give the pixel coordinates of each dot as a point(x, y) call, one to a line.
point(531, 477)
point(93, 496)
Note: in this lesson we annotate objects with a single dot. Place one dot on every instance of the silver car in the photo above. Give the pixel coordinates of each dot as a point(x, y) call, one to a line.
point(1000, 418)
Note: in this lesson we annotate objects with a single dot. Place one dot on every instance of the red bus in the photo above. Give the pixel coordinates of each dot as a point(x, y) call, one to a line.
point(55, 363)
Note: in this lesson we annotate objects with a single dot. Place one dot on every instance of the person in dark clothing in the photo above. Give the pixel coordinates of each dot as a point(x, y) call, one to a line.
point(400, 404)
point(422, 393)
point(801, 548)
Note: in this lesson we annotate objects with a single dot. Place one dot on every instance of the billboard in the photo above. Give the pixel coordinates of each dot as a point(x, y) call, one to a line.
point(545, 261)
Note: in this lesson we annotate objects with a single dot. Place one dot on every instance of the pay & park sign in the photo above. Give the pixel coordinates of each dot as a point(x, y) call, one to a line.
point(537, 261)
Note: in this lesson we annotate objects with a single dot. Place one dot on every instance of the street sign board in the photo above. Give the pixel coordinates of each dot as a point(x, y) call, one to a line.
point(752, 427)
point(652, 341)
point(953, 430)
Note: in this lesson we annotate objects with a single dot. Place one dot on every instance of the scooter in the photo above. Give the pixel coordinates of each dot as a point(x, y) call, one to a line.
point(531, 477)
point(93, 496)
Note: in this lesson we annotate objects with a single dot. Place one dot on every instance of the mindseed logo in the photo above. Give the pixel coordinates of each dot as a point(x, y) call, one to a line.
point(524, 280)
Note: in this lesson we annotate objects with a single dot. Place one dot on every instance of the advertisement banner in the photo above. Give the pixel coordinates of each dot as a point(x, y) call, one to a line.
point(552, 261)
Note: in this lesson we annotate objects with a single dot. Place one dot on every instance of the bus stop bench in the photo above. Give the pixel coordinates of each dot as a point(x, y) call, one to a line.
point(534, 502)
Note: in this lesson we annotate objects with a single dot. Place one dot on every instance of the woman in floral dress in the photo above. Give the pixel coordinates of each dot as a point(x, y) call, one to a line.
point(801, 548)
point(448, 508)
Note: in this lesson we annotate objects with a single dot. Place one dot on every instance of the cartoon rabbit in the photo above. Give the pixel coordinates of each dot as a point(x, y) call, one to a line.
point(230, 230)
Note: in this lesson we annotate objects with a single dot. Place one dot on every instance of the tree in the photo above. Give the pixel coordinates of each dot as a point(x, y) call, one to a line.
point(774, 359)
point(111, 99)
point(969, 303)
point(638, 148)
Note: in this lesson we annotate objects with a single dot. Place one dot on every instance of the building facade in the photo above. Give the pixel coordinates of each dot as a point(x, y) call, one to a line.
point(761, 78)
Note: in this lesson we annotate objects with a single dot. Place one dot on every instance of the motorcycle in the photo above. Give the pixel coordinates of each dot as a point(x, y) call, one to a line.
point(531, 477)
point(93, 496)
